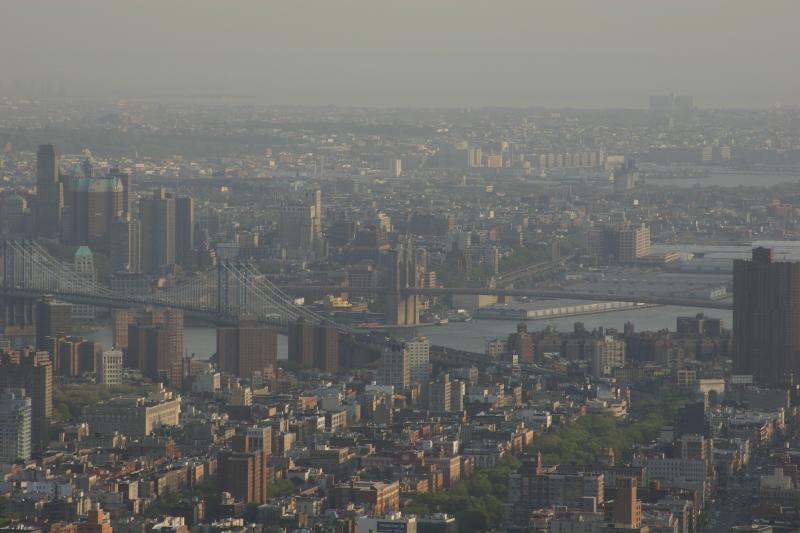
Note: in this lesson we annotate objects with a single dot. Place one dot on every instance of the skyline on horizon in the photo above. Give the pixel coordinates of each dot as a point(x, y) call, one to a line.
point(356, 53)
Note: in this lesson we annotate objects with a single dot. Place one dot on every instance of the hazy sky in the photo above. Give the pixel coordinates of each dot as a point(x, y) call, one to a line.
point(591, 53)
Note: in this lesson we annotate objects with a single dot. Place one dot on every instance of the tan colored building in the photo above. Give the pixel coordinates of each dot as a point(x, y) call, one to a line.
point(634, 242)
point(396, 368)
point(379, 498)
point(134, 416)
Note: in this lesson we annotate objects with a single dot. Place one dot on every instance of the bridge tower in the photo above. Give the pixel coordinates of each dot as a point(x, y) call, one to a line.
point(402, 272)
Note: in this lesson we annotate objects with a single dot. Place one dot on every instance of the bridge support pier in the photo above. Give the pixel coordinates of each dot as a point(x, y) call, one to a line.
point(402, 310)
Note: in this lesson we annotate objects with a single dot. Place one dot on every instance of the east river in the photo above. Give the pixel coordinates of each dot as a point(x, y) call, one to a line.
point(473, 335)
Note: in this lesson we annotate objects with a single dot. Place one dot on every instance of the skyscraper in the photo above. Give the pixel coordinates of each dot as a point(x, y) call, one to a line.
point(295, 227)
point(49, 192)
point(314, 199)
point(15, 425)
point(419, 359)
point(127, 189)
point(94, 204)
point(627, 509)
point(157, 215)
point(84, 268)
point(244, 474)
point(33, 371)
point(184, 229)
point(15, 218)
point(126, 244)
point(300, 225)
point(53, 319)
point(109, 367)
point(766, 317)
point(395, 368)
point(246, 348)
point(155, 343)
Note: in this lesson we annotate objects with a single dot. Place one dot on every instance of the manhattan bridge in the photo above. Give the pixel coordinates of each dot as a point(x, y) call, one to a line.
point(236, 289)
point(223, 294)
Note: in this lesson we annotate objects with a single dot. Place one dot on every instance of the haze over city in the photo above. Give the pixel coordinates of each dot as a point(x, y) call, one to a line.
point(413, 53)
point(440, 266)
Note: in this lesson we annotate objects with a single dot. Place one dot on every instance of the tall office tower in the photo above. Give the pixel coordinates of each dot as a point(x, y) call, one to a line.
point(401, 273)
point(244, 474)
point(296, 228)
point(521, 343)
point(184, 229)
point(15, 426)
point(94, 204)
point(624, 244)
point(53, 319)
point(458, 391)
point(766, 317)
point(88, 352)
point(155, 343)
point(608, 354)
point(127, 189)
point(419, 360)
point(109, 367)
point(33, 371)
point(439, 394)
point(173, 321)
point(66, 355)
point(301, 343)
point(626, 177)
point(87, 276)
point(120, 320)
point(627, 509)
point(395, 168)
point(49, 193)
point(326, 349)
point(475, 157)
point(314, 200)
point(134, 356)
point(151, 345)
point(126, 246)
point(246, 349)
point(395, 368)
point(15, 218)
point(634, 242)
point(157, 215)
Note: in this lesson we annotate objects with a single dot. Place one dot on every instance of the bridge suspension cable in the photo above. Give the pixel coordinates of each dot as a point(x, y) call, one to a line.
point(233, 290)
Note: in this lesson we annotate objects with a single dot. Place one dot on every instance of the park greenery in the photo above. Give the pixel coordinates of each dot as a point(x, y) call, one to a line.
point(478, 502)
point(206, 490)
point(69, 400)
point(280, 487)
point(581, 442)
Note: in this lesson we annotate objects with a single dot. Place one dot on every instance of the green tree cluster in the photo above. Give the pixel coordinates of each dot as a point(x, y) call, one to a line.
point(476, 503)
point(206, 490)
point(580, 443)
point(280, 487)
point(69, 400)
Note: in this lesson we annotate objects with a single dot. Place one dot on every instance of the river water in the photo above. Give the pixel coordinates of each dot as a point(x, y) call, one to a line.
point(473, 335)
point(731, 179)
